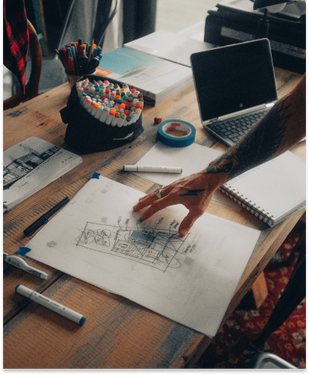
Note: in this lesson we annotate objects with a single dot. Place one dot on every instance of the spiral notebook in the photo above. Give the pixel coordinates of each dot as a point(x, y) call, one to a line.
point(272, 191)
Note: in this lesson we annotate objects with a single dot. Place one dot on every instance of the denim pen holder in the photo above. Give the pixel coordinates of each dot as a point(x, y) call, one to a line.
point(87, 134)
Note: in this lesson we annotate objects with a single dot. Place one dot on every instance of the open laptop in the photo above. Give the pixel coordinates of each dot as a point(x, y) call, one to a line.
point(235, 85)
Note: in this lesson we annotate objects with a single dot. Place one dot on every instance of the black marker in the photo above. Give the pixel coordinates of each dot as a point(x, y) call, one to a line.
point(40, 221)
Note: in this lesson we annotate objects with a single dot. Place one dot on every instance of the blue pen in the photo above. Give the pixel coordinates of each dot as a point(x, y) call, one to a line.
point(72, 49)
point(98, 52)
point(94, 52)
point(69, 51)
point(75, 48)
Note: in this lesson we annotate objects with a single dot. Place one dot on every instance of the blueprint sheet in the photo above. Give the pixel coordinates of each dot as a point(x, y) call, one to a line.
point(98, 238)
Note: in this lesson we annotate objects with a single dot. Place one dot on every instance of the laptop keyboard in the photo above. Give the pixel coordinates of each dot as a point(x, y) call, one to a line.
point(234, 128)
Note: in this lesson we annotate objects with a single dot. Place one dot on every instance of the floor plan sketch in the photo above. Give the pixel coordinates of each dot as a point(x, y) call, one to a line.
point(98, 238)
point(153, 247)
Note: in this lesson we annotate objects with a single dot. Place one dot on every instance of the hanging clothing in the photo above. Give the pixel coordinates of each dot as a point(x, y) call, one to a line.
point(15, 39)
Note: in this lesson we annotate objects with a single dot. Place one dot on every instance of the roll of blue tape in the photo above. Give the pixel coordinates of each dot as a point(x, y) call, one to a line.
point(176, 141)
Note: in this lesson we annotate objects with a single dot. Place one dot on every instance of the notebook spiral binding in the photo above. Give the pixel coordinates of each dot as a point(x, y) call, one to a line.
point(257, 211)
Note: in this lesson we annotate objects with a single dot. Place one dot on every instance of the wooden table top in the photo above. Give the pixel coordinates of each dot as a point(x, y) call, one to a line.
point(118, 333)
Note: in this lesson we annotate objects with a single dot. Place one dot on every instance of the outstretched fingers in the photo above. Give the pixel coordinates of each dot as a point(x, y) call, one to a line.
point(152, 198)
point(188, 221)
point(159, 204)
point(145, 201)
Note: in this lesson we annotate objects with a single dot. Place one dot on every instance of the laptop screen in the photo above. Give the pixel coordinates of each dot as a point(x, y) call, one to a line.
point(232, 78)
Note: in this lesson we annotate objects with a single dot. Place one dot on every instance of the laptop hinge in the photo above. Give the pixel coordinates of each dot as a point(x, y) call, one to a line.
point(239, 113)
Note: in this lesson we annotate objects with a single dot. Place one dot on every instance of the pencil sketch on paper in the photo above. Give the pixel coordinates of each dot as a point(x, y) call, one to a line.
point(153, 247)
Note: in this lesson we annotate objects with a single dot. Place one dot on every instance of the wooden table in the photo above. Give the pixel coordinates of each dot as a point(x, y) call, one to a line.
point(118, 333)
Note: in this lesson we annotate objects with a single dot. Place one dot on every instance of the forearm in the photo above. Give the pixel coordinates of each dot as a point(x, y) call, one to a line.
point(283, 126)
point(278, 131)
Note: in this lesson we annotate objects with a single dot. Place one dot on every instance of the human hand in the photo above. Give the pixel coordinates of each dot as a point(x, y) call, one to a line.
point(194, 192)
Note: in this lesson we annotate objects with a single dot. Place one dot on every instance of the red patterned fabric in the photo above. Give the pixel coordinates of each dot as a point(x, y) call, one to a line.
point(231, 345)
point(15, 39)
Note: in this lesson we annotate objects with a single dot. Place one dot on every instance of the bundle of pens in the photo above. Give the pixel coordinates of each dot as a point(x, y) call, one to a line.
point(80, 58)
point(110, 103)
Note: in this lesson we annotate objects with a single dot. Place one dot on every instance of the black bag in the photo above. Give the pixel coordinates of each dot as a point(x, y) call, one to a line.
point(87, 134)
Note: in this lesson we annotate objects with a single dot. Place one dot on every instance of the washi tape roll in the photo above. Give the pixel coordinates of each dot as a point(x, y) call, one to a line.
point(176, 133)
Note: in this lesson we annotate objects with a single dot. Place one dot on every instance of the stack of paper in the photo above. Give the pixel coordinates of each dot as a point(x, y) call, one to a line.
point(155, 78)
point(169, 46)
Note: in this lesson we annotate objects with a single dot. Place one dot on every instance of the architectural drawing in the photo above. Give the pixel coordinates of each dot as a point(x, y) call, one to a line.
point(153, 247)
point(23, 165)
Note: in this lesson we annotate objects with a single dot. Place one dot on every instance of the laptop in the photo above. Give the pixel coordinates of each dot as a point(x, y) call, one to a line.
point(235, 86)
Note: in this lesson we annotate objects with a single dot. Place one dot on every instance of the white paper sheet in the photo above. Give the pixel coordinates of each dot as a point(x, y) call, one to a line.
point(191, 159)
point(99, 239)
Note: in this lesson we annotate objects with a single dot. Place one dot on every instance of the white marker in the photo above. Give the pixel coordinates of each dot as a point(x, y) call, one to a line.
point(50, 304)
point(80, 90)
point(109, 118)
point(114, 121)
point(104, 114)
point(22, 264)
point(83, 99)
point(99, 111)
point(153, 169)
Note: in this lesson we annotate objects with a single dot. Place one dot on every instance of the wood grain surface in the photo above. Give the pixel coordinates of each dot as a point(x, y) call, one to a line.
point(118, 333)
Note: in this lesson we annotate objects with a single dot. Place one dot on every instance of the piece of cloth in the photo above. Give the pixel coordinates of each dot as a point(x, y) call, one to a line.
point(15, 39)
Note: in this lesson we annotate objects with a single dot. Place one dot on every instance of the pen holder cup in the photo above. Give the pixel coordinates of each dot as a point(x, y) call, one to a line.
point(87, 134)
